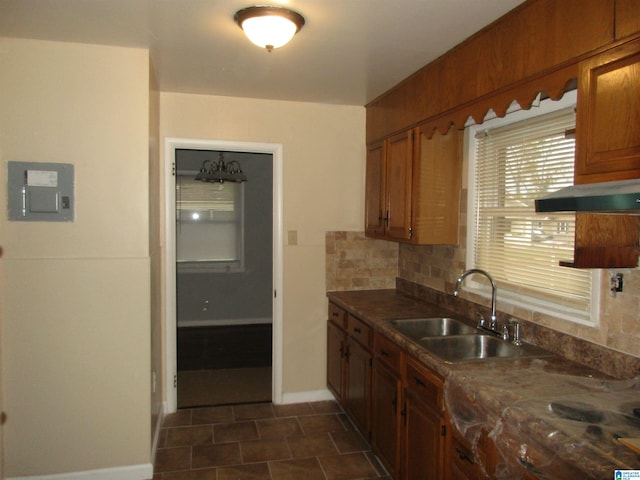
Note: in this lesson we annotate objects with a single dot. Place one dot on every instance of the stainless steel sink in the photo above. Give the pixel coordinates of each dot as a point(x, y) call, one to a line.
point(417, 328)
point(462, 348)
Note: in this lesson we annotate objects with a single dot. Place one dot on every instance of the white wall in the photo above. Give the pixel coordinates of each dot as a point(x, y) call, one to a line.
point(75, 300)
point(324, 158)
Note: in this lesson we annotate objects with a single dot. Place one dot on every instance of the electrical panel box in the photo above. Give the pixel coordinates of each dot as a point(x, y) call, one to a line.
point(40, 192)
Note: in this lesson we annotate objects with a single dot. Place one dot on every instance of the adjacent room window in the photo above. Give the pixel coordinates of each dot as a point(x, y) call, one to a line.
point(513, 161)
point(210, 225)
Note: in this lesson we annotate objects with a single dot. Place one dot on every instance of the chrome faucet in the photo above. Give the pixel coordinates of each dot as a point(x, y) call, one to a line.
point(494, 291)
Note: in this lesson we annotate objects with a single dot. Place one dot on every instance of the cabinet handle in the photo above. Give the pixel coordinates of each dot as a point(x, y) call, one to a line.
point(463, 456)
point(419, 382)
point(383, 353)
point(346, 353)
point(357, 330)
point(335, 314)
point(394, 402)
point(386, 218)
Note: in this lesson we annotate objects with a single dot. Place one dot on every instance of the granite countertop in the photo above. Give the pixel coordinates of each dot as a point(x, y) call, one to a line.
point(549, 416)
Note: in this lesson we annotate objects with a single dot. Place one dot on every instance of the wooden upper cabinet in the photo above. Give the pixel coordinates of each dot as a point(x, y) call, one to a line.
point(608, 148)
point(398, 177)
point(413, 187)
point(374, 191)
point(529, 42)
point(437, 179)
point(608, 116)
point(627, 18)
point(605, 241)
point(388, 188)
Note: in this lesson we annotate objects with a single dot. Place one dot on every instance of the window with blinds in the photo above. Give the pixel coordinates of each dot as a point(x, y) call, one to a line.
point(209, 230)
point(513, 164)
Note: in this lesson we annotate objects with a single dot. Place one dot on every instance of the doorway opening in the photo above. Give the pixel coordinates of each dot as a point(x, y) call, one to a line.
point(224, 264)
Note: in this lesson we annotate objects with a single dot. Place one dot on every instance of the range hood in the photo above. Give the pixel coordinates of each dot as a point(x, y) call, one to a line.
point(622, 197)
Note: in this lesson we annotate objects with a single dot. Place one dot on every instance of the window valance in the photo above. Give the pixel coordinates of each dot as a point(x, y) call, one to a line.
point(552, 85)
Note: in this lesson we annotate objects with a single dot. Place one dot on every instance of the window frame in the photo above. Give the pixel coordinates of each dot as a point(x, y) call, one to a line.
point(215, 266)
point(507, 296)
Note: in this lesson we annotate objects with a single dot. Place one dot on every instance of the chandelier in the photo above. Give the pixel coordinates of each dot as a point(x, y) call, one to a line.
point(220, 171)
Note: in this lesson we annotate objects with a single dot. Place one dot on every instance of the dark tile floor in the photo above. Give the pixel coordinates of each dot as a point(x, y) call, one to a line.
point(306, 441)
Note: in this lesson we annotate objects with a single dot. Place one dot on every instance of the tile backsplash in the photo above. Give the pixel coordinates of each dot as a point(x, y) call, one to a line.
point(355, 262)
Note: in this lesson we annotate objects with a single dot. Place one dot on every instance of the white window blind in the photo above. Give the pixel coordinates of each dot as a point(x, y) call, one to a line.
point(515, 164)
point(209, 223)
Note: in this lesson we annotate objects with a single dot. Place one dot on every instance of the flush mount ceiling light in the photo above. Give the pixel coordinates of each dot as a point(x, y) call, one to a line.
point(269, 27)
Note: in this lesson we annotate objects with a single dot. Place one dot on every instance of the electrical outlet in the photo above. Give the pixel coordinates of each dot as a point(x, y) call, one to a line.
point(616, 283)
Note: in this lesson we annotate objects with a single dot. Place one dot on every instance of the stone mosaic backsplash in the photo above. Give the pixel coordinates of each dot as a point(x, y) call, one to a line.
point(355, 262)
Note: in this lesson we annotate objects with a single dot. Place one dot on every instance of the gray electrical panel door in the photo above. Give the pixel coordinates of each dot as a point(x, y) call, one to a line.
point(40, 192)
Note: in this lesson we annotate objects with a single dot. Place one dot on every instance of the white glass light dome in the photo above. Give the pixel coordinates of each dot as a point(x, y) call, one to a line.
point(269, 27)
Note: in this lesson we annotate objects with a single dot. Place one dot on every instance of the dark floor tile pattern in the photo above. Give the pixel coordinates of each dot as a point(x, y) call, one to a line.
point(306, 441)
point(230, 346)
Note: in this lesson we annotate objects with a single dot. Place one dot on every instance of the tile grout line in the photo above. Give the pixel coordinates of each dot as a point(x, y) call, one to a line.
point(312, 410)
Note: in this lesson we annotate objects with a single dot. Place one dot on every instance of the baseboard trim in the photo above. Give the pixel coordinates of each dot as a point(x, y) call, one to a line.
point(310, 396)
point(133, 472)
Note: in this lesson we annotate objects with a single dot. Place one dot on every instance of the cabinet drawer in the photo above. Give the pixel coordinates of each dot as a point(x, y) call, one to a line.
point(337, 315)
point(359, 330)
point(425, 383)
point(387, 352)
point(463, 458)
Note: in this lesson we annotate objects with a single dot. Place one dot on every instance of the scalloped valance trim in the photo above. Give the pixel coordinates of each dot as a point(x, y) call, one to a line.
point(553, 85)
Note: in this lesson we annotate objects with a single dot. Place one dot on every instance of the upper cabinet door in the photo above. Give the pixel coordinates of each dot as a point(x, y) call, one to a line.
point(398, 185)
point(627, 18)
point(374, 192)
point(437, 179)
point(608, 116)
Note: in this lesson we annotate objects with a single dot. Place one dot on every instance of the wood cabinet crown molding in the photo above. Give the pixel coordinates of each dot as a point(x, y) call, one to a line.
point(521, 51)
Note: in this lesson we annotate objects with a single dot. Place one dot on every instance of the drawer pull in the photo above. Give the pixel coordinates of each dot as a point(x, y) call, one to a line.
point(463, 456)
point(383, 353)
point(419, 382)
point(335, 314)
point(357, 330)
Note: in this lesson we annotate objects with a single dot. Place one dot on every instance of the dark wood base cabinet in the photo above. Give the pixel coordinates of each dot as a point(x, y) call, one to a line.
point(407, 424)
point(385, 416)
point(465, 465)
point(424, 436)
point(349, 365)
point(397, 403)
point(358, 384)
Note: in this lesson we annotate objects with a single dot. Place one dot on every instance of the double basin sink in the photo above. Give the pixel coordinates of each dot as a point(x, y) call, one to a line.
point(454, 341)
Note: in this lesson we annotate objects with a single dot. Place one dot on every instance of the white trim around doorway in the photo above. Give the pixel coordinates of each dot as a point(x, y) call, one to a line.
point(170, 356)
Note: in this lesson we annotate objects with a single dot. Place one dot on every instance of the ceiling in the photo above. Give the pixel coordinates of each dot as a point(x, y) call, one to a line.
point(349, 52)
